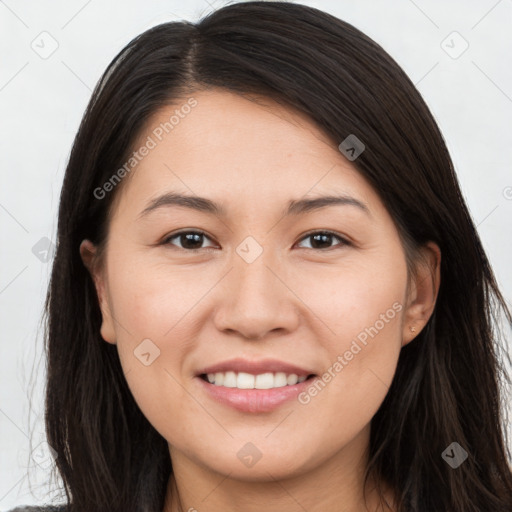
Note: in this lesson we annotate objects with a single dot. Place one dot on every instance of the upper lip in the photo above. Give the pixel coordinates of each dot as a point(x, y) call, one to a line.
point(255, 367)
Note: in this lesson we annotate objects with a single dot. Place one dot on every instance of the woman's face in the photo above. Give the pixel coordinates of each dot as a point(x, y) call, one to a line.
point(263, 287)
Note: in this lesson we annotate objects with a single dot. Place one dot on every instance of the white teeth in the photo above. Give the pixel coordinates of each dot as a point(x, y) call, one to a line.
point(265, 381)
point(280, 379)
point(242, 380)
point(245, 381)
point(229, 380)
point(292, 379)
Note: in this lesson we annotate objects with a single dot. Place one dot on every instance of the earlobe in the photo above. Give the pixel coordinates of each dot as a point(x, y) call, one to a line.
point(88, 255)
point(424, 292)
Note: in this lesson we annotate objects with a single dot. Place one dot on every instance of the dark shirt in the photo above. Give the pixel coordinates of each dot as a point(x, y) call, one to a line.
point(39, 509)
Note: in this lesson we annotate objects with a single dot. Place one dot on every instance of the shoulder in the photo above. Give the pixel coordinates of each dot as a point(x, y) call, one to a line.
point(61, 508)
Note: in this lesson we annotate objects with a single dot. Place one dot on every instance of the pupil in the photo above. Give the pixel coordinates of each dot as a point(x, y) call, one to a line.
point(190, 237)
point(325, 237)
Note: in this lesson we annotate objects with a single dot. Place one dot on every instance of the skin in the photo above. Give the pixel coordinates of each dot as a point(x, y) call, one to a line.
point(295, 303)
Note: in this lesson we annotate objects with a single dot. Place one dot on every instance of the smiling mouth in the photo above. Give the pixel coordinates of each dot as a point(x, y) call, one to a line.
point(242, 380)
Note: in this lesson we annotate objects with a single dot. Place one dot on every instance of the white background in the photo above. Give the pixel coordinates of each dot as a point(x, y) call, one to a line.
point(42, 101)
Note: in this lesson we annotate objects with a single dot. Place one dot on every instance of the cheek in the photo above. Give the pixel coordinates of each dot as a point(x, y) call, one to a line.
point(362, 308)
point(154, 300)
point(153, 332)
point(361, 298)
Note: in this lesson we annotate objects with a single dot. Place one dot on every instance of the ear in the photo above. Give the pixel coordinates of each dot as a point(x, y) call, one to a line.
point(88, 254)
point(423, 293)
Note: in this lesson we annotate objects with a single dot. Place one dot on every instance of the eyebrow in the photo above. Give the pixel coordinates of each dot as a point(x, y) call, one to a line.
point(295, 207)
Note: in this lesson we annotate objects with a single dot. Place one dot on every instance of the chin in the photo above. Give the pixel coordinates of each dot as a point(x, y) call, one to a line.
point(276, 467)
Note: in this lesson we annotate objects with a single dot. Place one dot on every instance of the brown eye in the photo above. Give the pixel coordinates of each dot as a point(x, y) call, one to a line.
point(323, 239)
point(190, 241)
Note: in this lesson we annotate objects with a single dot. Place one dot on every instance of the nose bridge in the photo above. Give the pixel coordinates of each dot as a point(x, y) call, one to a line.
point(255, 278)
point(252, 262)
point(256, 300)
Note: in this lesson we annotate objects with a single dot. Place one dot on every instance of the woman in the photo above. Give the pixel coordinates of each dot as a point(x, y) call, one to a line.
point(265, 370)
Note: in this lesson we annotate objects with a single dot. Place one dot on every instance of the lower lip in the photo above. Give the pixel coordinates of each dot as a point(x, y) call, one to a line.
point(254, 400)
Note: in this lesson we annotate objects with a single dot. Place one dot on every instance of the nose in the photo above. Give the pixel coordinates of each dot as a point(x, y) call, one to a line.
point(255, 300)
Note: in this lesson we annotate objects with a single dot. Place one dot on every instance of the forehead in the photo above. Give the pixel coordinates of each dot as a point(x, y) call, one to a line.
point(239, 149)
point(222, 122)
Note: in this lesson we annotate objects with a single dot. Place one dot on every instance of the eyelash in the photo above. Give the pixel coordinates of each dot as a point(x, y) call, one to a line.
point(344, 241)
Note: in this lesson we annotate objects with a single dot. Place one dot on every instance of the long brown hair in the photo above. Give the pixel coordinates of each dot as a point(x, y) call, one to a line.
point(447, 384)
